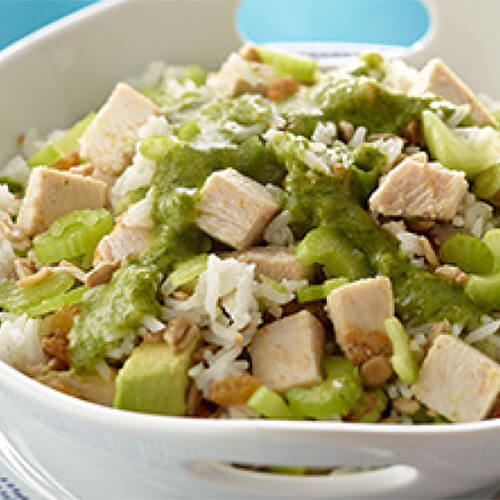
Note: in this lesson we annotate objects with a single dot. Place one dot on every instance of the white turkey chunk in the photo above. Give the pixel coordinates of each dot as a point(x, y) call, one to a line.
point(437, 78)
point(358, 311)
point(52, 193)
point(287, 353)
point(109, 141)
point(457, 380)
point(278, 263)
point(129, 238)
point(417, 189)
point(235, 209)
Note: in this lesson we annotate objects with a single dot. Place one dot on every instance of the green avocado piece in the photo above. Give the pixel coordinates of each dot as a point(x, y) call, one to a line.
point(155, 380)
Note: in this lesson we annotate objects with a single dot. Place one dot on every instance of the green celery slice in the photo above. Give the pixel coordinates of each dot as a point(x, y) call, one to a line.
point(72, 235)
point(328, 247)
point(468, 253)
point(270, 404)
point(156, 147)
point(188, 270)
point(492, 239)
point(196, 74)
point(54, 303)
point(484, 291)
point(56, 150)
point(487, 185)
point(454, 152)
point(188, 131)
point(23, 300)
point(403, 361)
point(337, 395)
point(319, 292)
point(301, 68)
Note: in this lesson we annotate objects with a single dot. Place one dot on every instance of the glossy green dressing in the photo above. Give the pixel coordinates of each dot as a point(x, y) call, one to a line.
point(318, 200)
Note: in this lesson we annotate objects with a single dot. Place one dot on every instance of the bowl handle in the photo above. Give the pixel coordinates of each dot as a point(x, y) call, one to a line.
point(223, 481)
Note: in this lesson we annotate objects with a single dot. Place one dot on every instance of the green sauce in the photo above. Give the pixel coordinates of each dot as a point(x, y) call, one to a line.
point(113, 312)
point(317, 200)
point(359, 100)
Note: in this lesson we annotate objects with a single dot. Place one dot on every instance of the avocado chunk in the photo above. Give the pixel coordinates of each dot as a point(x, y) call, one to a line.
point(155, 380)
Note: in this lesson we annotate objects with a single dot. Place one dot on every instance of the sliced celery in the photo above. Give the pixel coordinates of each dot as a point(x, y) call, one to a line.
point(188, 270)
point(337, 395)
point(403, 361)
point(54, 303)
point(484, 291)
point(468, 253)
point(188, 131)
point(328, 247)
point(492, 240)
point(156, 147)
point(338, 366)
point(56, 150)
point(24, 300)
point(196, 74)
point(454, 152)
point(301, 68)
point(319, 292)
point(72, 235)
point(370, 408)
point(270, 404)
point(487, 185)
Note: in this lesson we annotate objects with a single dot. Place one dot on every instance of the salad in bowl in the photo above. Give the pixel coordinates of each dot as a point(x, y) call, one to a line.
point(266, 241)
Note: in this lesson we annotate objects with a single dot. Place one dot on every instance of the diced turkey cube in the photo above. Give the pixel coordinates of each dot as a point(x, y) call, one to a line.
point(278, 263)
point(437, 78)
point(52, 193)
point(109, 141)
point(416, 189)
point(287, 353)
point(235, 209)
point(129, 238)
point(358, 311)
point(458, 381)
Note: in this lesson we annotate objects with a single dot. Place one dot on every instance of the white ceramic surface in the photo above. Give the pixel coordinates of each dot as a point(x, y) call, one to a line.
point(58, 74)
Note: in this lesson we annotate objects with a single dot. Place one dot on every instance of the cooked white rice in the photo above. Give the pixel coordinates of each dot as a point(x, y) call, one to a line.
point(7, 258)
point(325, 133)
point(155, 126)
point(392, 147)
point(278, 232)
point(139, 214)
point(9, 204)
point(20, 344)
point(140, 173)
point(483, 332)
point(359, 137)
point(17, 169)
point(399, 76)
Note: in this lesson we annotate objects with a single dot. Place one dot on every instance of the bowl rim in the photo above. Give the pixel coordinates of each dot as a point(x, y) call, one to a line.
point(46, 396)
point(52, 399)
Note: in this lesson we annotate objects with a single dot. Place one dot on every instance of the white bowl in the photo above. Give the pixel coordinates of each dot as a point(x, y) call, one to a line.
point(60, 73)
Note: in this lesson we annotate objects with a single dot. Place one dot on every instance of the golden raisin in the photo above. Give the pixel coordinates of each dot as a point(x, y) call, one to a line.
point(282, 88)
point(68, 161)
point(233, 390)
